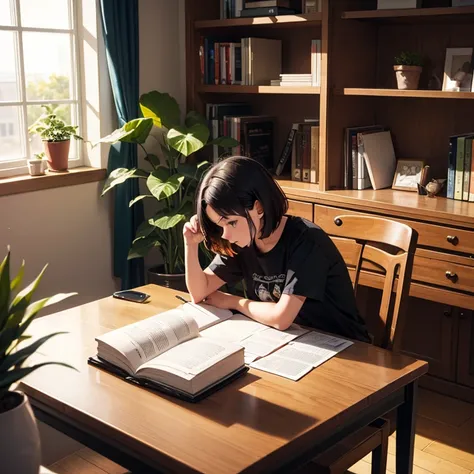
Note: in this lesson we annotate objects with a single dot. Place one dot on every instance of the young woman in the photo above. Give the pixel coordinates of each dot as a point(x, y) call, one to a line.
point(292, 269)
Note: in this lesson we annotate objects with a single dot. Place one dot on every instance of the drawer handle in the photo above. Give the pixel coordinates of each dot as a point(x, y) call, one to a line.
point(338, 221)
point(452, 276)
point(452, 239)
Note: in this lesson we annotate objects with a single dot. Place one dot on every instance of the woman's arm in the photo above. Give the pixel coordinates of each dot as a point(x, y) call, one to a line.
point(278, 315)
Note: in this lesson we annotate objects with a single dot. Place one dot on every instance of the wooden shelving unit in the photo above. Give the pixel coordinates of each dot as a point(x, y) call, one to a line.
point(225, 89)
point(290, 21)
point(420, 94)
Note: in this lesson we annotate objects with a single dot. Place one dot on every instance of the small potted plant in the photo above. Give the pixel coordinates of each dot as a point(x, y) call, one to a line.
point(408, 67)
point(56, 136)
point(19, 437)
point(36, 165)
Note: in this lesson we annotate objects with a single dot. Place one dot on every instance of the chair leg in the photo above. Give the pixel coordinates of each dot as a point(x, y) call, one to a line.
point(379, 454)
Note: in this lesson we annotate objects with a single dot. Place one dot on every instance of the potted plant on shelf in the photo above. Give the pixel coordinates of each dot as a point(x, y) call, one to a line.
point(19, 437)
point(408, 67)
point(171, 181)
point(36, 165)
point(56, 136)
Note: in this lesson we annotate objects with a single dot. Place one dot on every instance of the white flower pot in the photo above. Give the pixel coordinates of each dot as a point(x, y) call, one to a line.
point(408, 77)
point(19, 438)
point(36, 167)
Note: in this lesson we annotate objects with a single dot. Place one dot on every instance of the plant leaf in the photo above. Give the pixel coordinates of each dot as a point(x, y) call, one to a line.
point(138, 198)
point(144, 230)
point(225, 142)
point(188, 140)
point(120, 175)
point(162, 189)
point(193, 118)
point(4, 289)
point(19, 277)
point(15, 375)
point(142, 246)
point(135, 131)
point(161, 108)
point(20, 356)
point(153, 160)
point(168, 220)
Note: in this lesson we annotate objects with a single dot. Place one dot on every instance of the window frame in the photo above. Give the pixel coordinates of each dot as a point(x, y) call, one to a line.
point(19, 166)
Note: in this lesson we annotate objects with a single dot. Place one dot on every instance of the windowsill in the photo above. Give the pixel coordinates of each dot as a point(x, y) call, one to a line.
point(27, 183)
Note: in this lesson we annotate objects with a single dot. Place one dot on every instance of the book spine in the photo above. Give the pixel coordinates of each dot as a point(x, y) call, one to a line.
point(202, 59)
point(238, 63)
point(295, 157)
point(354, 153)
point(228, 62)
point(314, 169)
point(471, 186)
point(222, 71)
point(467, 169)
point(217, 59)
point(285, 154)
point(458, 177)
point(451, 167)
point(306, 154)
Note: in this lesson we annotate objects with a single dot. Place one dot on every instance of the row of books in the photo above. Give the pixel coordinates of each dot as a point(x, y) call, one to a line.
point(369, 157)
point(253, 61)
point(460, 184)
point(302, 146)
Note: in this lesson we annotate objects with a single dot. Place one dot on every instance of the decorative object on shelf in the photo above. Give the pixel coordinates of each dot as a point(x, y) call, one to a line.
point(434, 83)
point(19, 436)
point(457, 75)
point(56, 136)
point(424, 178)
point(36, 166)
point(408, 67)
point(407, 175)
point(432, 188)
point(311, 6)
point(397, 4)
point(171, 181)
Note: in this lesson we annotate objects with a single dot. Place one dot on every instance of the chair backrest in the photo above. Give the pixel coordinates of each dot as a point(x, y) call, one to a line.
point(386, 248)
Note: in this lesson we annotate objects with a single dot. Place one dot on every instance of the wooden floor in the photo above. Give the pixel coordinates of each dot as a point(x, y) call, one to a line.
point(444, 443)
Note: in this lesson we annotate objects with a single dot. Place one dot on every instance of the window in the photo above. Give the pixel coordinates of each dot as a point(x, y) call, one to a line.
point(38, 65)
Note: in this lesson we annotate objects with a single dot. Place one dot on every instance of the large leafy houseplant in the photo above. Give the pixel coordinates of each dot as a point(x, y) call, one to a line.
point(17, 424)
point(172, 180)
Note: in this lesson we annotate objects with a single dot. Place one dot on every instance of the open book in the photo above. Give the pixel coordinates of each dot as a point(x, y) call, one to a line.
point(167, 352)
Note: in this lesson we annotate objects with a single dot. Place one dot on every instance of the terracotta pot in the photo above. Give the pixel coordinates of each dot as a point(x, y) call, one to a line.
point(58, 154)
point(175, 281)
point(19, 437)
point(408, 77)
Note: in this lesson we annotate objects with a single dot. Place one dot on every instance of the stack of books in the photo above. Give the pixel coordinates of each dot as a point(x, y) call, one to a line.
point(295, 80)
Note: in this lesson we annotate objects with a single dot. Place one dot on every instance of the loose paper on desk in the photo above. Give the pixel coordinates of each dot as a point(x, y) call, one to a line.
point(235, 329)
point(206, 315)
point(302, 355)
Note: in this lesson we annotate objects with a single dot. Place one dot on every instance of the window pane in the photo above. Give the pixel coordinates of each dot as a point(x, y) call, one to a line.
point(6, 13)
point(47, 66)
point(11, 146)
point(66, 112)
point(9, 90)
point(45, 13)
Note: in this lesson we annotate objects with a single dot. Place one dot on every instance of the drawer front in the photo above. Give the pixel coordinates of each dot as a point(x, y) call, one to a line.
point(429, 235)
point(444, 273)
point(300, 209)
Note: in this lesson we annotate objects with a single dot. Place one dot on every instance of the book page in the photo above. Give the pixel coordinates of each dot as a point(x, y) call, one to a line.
point(235, 329)
point(194, 356)
point(264, 342)
point(315, 339)
point(205, 314)
point(143, 340)
point(287, 368)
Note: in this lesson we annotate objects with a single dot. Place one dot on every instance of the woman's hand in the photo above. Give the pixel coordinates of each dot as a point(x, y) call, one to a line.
point(192, 232)
point(221, 300)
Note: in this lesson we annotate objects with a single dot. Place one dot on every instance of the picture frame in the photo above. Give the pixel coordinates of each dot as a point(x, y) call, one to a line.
point(407, 175)
point(457, 76)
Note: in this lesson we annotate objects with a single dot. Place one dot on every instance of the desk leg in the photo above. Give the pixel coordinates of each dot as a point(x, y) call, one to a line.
point(406, 417)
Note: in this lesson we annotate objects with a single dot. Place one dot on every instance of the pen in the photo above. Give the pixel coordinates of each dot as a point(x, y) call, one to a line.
point(184, 300)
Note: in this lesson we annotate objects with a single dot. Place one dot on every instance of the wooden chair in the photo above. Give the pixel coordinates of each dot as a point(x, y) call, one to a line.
point(385, 249)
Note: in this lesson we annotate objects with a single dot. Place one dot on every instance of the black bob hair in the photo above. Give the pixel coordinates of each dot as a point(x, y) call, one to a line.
point(231, 187)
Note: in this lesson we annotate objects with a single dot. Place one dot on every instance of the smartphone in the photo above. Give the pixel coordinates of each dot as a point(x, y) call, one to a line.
point(131, 295)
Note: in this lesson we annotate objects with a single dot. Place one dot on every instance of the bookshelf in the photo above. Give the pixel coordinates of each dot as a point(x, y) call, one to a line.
point(358, 87)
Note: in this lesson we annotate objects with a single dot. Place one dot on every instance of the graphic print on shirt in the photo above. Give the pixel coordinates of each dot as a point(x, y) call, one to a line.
point(268, 288)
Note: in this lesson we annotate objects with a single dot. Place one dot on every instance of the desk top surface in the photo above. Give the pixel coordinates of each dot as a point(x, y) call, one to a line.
point(257, 418)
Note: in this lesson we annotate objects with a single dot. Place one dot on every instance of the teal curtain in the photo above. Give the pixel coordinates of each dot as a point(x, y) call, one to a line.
point(120, 28)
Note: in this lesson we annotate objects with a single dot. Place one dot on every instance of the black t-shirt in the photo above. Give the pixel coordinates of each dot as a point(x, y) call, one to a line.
point(304, 262)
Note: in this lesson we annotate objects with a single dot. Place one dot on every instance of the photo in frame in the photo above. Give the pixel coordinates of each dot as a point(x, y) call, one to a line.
point(457, 75)
point(407, 175)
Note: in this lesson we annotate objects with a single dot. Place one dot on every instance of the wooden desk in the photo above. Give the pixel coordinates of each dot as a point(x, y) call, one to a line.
point(260, 423)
